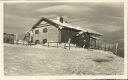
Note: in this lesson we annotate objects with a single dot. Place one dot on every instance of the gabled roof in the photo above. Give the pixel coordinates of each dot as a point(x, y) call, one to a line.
point(8, 34)
point(65, 25)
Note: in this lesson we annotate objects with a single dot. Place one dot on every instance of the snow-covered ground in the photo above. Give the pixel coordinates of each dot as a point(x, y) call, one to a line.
point(41, 60)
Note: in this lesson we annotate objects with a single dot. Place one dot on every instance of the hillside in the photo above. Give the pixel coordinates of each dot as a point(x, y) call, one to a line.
point(40, 60)
point(113, 36)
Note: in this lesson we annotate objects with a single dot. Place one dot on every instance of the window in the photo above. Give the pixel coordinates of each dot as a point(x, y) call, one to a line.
point(45, 30)
point(44, 41)
point(36, 31)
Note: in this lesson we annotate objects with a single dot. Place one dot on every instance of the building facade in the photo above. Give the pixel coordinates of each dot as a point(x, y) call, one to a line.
point(59, 31)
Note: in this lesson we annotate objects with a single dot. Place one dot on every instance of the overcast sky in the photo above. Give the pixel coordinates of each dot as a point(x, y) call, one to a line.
point(102, 17)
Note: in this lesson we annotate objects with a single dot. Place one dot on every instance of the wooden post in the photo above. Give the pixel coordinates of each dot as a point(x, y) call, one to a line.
point(64, 45)
point(95, 43)
point(75, 45)
point(16, 38)
point(109, 47)
point(57, 44)
point(105, 47)
point(69, 41)
point(116, 48)
point(98, 45)
point(48, 44)
point(69, 46)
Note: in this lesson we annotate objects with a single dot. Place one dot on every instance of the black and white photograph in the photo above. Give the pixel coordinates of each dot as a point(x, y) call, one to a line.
point(63, 38)
point(77, 79)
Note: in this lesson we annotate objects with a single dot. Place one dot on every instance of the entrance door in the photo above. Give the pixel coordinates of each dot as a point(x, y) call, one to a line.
point(37, 42)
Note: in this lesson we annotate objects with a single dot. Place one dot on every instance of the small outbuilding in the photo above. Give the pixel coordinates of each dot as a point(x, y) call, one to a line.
point(9, 38)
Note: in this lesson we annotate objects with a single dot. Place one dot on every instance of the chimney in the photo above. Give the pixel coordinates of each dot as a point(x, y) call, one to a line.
point(60, 19)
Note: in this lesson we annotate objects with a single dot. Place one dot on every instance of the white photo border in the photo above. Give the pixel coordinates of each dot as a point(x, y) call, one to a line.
point(3, 77)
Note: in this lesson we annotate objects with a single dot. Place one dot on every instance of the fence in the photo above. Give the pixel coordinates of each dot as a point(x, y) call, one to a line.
point(105, 47)
point(57, 45)
point(115, 48)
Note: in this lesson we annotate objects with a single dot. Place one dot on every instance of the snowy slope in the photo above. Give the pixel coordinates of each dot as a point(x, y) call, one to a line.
point(41, 60)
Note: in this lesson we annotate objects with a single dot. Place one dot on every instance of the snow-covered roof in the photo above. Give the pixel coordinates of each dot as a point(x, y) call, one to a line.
point(77, 28)
point(9, 34)
point(95, 38)
point(67, 25)
point(91, 31)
